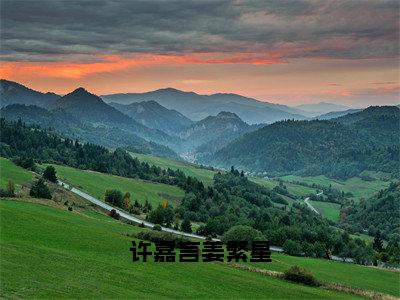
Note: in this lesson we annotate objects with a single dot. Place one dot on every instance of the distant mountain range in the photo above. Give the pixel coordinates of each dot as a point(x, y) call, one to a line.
point(315, 109)
point(197, 107)
point(335, 114)
point(342, 147)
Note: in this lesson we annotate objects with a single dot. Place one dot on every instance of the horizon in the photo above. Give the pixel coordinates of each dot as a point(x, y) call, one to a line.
point(291, 53)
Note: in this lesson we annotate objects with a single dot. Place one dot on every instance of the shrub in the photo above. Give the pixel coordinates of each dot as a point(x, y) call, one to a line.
point(300, 275)
point(26, 163)
point(113, 214)
point(186, 226)
point(40, 190)
point(69, 208)
point(157, 227)
point(155, 236)
point(9, 191)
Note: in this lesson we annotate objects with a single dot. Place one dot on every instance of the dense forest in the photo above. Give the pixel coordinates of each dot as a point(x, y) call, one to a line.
point(380, 214)
point(367, 140)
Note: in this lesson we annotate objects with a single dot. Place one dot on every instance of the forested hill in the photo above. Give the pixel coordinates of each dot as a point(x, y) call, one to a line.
point(319, 147)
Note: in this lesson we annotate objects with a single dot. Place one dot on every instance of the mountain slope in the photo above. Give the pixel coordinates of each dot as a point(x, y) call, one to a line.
point(197, 107)
point(72, 127)
point(156, 116)
point(15, 93)
point(314, 109)
point(214, 132)
point(335, 114)
point(315, 148)
point(91, 108)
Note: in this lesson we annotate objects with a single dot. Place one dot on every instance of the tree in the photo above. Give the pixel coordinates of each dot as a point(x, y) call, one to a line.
point(186, 226)
point(126, 201)
point(40, 190)
point(50, 174)
point(292, 248)
point(242, 233)
point(114, 197)
point(378, 243)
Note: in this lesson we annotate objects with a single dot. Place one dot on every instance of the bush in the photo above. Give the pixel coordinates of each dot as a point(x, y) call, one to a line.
point(242, 233)
point(156, 236)
point(26, 163)
point(10, 191)
point(157, 227)
point(50, 174)
point(69, 208)
point(300, 275)
point(40, 190)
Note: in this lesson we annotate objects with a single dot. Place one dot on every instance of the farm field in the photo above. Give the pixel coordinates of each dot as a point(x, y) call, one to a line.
point(86, 255)
point(294, 189)
point(96, 184)
point(189, 169)
point(328, 210)
point(358, 187)
point(10, 171)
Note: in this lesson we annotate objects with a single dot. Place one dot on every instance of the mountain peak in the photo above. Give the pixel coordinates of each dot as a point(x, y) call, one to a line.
point(80, 91)
point(227, 115)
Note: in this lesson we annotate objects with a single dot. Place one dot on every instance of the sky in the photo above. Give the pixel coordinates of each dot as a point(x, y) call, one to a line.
point(281, 51)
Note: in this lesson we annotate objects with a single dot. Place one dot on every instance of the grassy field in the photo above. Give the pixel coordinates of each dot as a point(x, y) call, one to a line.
point(10, 171)
point(328, 210)
point(294, 189)
point(96, 184)
point(357, 276)
point(189, 169)
point(358, 187)
point(54, 253)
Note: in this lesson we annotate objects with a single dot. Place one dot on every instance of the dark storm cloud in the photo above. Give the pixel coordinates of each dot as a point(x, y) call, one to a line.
point(59, 30)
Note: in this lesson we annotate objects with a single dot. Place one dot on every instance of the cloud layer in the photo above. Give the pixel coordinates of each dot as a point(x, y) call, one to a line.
point(239, 31)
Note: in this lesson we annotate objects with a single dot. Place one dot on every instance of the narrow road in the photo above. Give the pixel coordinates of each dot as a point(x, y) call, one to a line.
point(124, 214)
point(310, 206)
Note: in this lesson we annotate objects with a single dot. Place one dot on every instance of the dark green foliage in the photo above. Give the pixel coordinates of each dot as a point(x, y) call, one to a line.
point(25, 162)
point(186, 226)
point(301, 275)
point(9, 191)
point(292, 248)
point(242, 233)
point(40, 190)
point(378, 243)
point(19, 140)
point(157, 227)
point(114, 197)
point(162, 215)
point(380, 213)
point(320, 147)
point(50, 174)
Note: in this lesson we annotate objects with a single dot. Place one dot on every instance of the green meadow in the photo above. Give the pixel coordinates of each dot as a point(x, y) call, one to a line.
point(328, 210)
point(355, 185)
point(49, 252)
point(189, 169)
point(357, 276)
point(96, 184)
point(10, 171)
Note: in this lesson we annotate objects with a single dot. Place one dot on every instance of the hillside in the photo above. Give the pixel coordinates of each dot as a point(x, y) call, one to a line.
point(71, 252)
point(15, 93)
point(316, 148)
point(153, 115)
point(313, 109)
point(335, 114)
point(380, 213)
point(74, 128)
point(214, 132)
point(197, 107)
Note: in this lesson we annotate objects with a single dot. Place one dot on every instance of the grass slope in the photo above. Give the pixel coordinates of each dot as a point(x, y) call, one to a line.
point(96, 184)
point(328, 210)
point(189, 169)
point(358, 187)
point(353, 275)
point(10, 171)
point(53, 253)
